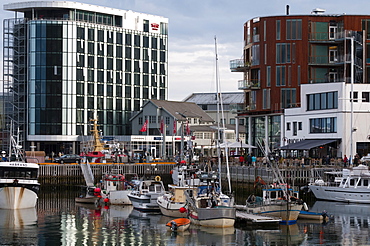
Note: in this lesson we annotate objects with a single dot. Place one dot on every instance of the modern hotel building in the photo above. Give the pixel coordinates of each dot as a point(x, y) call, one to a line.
point(67, 62)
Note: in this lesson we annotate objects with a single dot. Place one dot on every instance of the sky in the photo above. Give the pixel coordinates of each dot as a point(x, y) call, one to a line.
point(193, 26)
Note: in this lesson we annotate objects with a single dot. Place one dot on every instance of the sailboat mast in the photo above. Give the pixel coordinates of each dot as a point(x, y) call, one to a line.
point(220, 108)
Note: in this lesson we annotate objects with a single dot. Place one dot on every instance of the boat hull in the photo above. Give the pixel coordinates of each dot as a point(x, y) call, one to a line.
point(89, 200)
point(171, 209)
point(119, 197)
point(339, 194)
point(145, 203)
point(287, 213)
point(181, 224)
point(307, 215)
point(213, 217)
point(17, 198)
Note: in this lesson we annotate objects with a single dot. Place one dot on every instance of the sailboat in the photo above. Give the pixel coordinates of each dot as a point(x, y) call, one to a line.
point(208, 206)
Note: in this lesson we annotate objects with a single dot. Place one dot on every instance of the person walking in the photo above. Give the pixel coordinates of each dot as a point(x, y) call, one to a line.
point(254, 159)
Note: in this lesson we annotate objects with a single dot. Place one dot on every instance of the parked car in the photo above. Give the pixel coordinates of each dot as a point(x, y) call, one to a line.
point(69, 158)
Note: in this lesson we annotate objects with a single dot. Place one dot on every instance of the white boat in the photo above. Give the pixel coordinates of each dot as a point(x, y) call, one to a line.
point(172, 203)
point(349, 185)
point(144, 195)
point(116, 187)
point(275, 203)
point(89, 194)
point(18, 179)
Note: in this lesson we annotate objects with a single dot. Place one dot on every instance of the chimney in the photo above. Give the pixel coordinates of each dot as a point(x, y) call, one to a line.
point(287, 10)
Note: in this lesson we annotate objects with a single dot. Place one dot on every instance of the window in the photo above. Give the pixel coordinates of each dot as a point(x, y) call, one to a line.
point(294, 29)
point(278, 24)
point(300, 126)
point(365, 97)
point(283, 53)
point(295, 128)
point(266, 99)
point(355, 96)
point(288, 126)
point(288, 98)
point(268, 76)
point(319, 101)
point(232, 121)
point(323, 125)
point(280, 76)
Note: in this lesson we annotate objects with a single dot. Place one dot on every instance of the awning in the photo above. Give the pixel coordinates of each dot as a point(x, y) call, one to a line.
point(307, 144)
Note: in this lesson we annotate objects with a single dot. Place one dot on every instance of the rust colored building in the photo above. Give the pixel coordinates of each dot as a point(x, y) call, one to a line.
point(283, 52)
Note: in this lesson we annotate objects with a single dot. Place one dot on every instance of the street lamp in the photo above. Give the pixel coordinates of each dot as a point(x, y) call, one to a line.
point(182, 135)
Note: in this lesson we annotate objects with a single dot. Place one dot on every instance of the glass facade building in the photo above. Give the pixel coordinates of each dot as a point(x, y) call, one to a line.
point(68, 62)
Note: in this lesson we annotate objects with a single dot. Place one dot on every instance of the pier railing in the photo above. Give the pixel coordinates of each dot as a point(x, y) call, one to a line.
point(71, 174)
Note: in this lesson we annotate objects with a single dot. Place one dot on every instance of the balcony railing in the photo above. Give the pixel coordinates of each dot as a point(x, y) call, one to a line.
point(331, 61)
point(334, 36)
point(234, 108)
point(248, 84)
point(239, 65)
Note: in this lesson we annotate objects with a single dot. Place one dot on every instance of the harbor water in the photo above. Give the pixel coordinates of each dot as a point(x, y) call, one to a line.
point(58, 220)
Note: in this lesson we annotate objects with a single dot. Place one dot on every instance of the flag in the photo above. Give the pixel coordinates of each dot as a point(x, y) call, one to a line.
point(162, 126)
point(174, 126)
point(144, 127)
point(187, 128)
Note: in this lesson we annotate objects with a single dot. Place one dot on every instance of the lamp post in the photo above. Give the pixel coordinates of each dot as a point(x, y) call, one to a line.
point(182, 136)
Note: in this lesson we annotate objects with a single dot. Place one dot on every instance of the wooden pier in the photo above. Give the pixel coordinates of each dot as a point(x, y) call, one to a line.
point(71, 174)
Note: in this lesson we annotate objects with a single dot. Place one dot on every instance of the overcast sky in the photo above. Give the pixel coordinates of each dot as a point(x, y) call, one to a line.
point(193, 24)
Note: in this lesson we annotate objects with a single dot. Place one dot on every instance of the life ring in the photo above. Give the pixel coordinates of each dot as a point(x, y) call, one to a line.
point(157, 178)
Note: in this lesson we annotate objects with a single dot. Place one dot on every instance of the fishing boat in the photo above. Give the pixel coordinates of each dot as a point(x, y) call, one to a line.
point(173, 202)
point(278, 200)
point(180, 224)
point(19, 186)
point(116, 187)
point(144, 195)
point(348, 185)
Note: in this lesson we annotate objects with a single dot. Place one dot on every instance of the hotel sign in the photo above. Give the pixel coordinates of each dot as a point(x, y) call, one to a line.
point(155, 26)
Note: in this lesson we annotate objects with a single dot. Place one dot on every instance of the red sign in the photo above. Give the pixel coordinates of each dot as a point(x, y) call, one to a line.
point(155, 26)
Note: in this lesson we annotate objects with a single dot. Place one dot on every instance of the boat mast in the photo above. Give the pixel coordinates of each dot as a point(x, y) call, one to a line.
point(219, 131)
point(98, 146)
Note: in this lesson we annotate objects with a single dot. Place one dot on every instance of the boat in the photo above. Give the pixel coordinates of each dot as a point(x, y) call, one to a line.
point(278, 200)
point(348, 185)
point(116, 187)
point(89, 194)
point(173, 202)
point(19, 186)
point(144, 195)
point(310, 215)
point(208, 206)
point(180, 224)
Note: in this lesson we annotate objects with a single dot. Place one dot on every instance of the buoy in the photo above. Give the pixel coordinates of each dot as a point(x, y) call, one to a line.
point(106, 200)
point(157, 178)
point(182, 210)
point(97, 190)
point(183, 162)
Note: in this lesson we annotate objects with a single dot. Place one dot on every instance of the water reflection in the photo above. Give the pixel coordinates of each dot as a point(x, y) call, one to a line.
point(18, 226)
point(58, 220)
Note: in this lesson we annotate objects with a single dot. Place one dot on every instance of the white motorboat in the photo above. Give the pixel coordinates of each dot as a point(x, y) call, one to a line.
point(116, 187)
point(144, 195)
point(349, 185)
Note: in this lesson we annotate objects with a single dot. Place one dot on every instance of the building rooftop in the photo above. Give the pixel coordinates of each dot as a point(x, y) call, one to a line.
point(210, 98)
point(30, 5)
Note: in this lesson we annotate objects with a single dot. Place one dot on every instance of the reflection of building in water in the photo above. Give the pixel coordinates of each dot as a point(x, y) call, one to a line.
point(351, 221)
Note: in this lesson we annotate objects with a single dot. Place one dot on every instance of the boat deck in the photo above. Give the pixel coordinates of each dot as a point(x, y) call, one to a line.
point(240, 215)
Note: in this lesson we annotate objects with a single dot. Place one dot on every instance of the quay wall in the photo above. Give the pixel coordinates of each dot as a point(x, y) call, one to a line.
point(71, 174)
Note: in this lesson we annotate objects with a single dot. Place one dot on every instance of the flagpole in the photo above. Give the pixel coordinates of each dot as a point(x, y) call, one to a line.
point(147, 134)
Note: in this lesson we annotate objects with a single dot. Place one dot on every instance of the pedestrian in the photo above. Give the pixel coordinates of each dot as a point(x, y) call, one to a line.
point(254, 159)
point(345, 160)
point(241, 160)
point(249, 160)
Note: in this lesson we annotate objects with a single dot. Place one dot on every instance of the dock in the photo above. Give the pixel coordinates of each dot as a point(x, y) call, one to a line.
point(256, 219)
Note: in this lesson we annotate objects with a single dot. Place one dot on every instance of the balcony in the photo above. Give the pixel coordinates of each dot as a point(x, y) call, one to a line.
point(253, 84)
point(235, 108)
point(334, 61)
point(239, 65)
